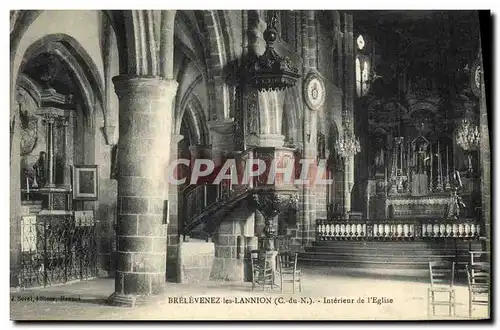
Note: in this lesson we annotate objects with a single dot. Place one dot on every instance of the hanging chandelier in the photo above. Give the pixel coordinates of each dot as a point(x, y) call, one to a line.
point(468, 135)
point(348, 144)
point(271, 72)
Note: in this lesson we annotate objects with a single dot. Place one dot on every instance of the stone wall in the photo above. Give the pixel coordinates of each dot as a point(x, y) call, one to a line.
point(230, 244)
point(195, 260)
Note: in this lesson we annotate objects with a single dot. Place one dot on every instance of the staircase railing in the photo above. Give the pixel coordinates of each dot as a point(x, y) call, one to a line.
point(198, 198)
point(203, 199)
point(396, 229)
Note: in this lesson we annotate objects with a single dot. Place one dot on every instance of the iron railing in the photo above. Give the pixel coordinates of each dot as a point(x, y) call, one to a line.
point(57, 249)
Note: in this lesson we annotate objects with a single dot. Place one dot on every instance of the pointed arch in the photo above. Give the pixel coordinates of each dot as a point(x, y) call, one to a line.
point(72, 53)
point(194, 117)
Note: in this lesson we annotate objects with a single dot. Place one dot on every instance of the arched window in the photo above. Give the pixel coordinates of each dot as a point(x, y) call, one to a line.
point(363, 67)
point(358, 77)
point(361, 42)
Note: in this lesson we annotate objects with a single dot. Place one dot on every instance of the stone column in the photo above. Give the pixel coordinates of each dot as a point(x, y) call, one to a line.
point(349, 74)
point(50, 151)
point(485, 168)
point(222, 139)
point(145, 105)
point(69, 125)
point(173, 216)
point(307, 210)
point(200, 152)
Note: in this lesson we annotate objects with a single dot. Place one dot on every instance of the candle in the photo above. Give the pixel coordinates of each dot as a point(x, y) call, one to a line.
point(27, 186)
point(439, 165)
point(401, 156)
point(408, 160)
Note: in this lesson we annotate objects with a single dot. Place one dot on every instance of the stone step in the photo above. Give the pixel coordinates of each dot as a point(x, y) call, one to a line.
point(386, 250)
point(388, 254)
point(407, 244)
point(372, 265)
point(375, 258)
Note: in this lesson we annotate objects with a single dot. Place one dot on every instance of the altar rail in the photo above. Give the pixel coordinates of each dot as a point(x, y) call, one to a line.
point(395, 229)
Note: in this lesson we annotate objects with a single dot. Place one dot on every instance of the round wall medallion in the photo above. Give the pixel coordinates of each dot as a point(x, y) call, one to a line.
point(314, 91)
point(475, 78)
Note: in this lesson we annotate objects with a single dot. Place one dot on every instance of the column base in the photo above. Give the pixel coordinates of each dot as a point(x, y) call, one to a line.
point(134, 300)
point(126, 300)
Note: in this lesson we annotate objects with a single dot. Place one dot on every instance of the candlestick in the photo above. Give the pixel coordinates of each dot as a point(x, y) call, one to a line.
point(408, 160)
point(430, 183)
point(385, 184)
point(401, 156)
point(447, 168)
point(447, 179)
point(27, 186)
point(439, 185)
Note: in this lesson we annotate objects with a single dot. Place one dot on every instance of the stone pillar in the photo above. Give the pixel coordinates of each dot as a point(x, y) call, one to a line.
point(15, 189)
point(68, 148)
point(173, 216)
point(50, 151)
point(349, 74)
point(307, 208)
point(145, 105)
point(230, 244)
point(227, 265)
point(200, 152)
point(485, 168)
point(222, 139)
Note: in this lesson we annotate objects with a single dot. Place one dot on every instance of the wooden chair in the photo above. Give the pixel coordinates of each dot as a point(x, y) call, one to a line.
point(478, 256)
point(288, 270)
point(262, 271)
point(478, 278)
point(442, 276)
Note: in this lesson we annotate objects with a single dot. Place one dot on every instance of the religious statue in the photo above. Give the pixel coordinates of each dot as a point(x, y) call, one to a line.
point(379, 160)
point(40, 168)
point(455, 206)
point(420, 168)
point(456, 180)
point(420, 184)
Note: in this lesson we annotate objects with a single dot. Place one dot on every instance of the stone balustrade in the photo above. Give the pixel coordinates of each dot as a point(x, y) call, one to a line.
point(396, 229)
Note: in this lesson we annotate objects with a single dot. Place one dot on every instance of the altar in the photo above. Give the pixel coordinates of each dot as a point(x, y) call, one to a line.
point(57, 242)
point(414, 163)
point(432, 206)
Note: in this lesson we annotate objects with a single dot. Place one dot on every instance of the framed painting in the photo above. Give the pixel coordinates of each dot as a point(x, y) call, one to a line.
point(85, 182)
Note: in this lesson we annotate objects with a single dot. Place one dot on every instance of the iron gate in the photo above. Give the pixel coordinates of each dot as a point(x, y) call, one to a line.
point(57, 249)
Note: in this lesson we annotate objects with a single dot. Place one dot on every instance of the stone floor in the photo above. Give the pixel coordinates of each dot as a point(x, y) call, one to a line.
point(399, 297)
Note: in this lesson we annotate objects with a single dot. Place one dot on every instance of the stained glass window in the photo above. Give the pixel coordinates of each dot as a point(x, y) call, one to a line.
point(363, 67)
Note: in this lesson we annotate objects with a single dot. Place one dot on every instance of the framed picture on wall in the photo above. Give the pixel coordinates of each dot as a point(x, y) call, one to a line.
point(85, 182)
